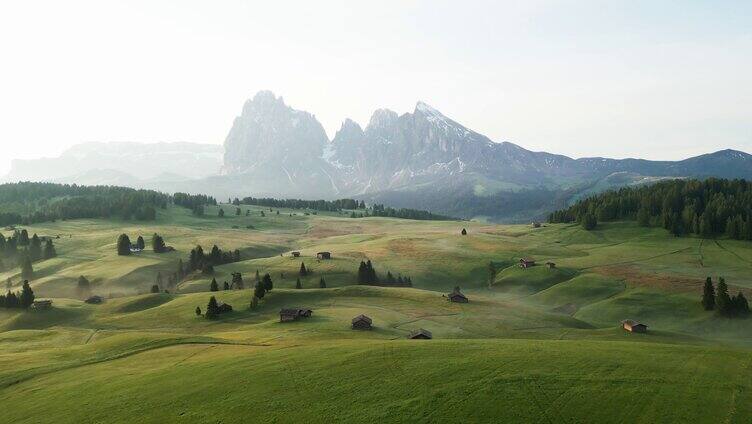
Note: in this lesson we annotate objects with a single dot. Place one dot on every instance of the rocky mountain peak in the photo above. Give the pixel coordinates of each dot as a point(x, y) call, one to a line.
point(382, 118)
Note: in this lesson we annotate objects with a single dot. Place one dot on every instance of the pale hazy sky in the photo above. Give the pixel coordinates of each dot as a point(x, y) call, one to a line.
point(655, 79)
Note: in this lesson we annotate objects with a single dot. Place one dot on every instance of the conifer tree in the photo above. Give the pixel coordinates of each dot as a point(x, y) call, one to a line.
point(258, 290)
point(157, 243)
point(226, 286)
point(83, 286)
point(27, 295)
point(708, 295)
point(123, 245)
point(35, 248)
point(303, 270)
point(198, 311)
point(297, 284)
point(322, 283)
point(27, 271)
point(221, 212)
point(49, 250)
point(237, 211)
point(212, 309)
point(140, 244)
point(722, 300)
point(155, 288)
point(213, 286)
point(741, 306)
point(267, 283)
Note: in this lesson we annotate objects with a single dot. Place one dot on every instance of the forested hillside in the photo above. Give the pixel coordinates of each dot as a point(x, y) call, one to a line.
point(29, 202)
point(709, 207)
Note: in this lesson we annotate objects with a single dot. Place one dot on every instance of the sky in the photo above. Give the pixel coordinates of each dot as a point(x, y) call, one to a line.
point(652, 79)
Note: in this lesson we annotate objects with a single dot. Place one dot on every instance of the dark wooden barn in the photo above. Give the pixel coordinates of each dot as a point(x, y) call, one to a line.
point(362, 322)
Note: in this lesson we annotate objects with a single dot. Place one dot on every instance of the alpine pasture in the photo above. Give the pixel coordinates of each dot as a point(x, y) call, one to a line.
point(542, 344)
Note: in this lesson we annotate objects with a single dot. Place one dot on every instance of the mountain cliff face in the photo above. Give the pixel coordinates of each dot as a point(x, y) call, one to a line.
point(278, 150)
point(424, 159)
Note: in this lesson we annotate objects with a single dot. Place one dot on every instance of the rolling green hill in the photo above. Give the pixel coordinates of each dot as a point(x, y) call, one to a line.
point(538, 344)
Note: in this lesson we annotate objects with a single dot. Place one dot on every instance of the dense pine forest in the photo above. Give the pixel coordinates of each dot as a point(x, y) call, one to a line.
point(29, 202)
point(709, 208)
point(340, 204)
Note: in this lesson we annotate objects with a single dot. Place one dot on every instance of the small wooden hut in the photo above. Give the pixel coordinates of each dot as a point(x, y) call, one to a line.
point(324, 255)
point(527, 262)
point(420, 334)
point(362, 322)
point(634, 326)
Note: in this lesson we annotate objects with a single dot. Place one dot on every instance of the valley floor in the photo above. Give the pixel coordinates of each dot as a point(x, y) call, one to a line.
point(532, 345)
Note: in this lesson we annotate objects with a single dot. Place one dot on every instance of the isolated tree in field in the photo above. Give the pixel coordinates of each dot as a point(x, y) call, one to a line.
point(267, 283)
point(247, 212)
point(83, 286)
point(258, 290)
point(49, 250)
point(221, 212)
point(155, 288)
point(722, 300)
point(213, 286)
point(27, 295)
point(198, 311)
point(303, 270)
point(464, 232)
point(322, 283)
point(708, 295)
point(212, 309)
point(123, 245)
point(157, 243)
point(140, 243)
point(27, 271)
point(237, 211)
point(297, 284)
point(237, 280)
point(226, 286)
point(35, 248)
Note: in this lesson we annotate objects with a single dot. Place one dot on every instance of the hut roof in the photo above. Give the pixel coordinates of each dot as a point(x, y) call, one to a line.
point(457, 294)
point(421, 332)
point(632, 323)
point(362, 317)
point(527, 260)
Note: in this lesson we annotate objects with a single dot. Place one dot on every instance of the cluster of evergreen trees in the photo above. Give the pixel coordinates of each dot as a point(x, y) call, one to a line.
point(198, 260)
point(708, 207)
point(319, 205)
point(718, 299)
point(21, 300)
point(124, 244)
point(190, 201)
point(27, 202)
point(381, 210)
point(367, 275)
point(22, 250)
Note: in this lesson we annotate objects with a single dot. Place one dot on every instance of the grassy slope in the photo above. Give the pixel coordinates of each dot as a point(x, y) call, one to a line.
point(539, 345)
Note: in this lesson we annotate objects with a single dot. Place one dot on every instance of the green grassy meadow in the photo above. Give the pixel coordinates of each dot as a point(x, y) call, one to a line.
point(532, 345)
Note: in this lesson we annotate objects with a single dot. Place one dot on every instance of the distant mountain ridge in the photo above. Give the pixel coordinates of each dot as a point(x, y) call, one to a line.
point(424, 157)
point(122, 163)
point(420, 160)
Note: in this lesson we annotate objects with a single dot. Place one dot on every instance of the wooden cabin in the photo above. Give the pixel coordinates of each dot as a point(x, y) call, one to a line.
point(420, 334)
point(94, 300)
point(41, 304)
point(324, 255)
point(295, 254)
point(362, 322)
point(293, 314)
point(224, 307)
point(634, 326)
point(550, 264)
point(535, 224)
point(457, 297)
point(527, 262)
